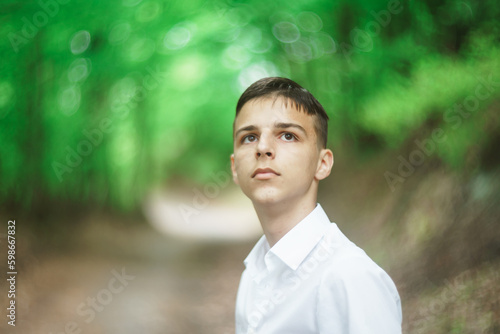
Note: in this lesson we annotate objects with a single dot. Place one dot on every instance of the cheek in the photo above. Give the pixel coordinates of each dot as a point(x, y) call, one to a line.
point(237, 160)
point(243, 154)
point(303, 153)
point(305, 161)
point(240, 161)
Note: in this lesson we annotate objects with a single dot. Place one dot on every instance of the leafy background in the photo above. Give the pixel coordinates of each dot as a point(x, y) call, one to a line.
point(102, 102)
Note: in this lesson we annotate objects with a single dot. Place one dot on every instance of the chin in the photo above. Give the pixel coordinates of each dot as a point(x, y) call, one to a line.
point(265, 196)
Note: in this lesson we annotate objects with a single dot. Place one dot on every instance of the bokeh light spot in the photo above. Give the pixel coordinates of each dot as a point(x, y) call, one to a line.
point(286, 32)
point(264, 46)
point(69, 100)
point(79, 69)
point(325, 42)
point(239, 16)
point(299, 51)
point(6, 95)
point(235, 57)
point(139, 49)
point(119, 33)
point(80, 42)
point(309, 21)
point(177, 37)
point(255, 72)
point(123, 91)
point(148, 11)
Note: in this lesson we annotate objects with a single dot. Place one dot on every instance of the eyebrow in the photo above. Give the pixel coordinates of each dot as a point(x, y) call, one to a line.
point(276, 125)
point(290, 125)
point(246, 128)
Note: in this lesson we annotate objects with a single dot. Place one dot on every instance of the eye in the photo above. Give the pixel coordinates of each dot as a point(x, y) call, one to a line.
point(288, 136)
point(248, 139)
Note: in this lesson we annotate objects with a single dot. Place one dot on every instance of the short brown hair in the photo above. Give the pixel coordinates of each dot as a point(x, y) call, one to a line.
point(291, 92)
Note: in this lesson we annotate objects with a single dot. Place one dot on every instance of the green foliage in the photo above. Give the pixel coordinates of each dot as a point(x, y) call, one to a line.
point(99, 101)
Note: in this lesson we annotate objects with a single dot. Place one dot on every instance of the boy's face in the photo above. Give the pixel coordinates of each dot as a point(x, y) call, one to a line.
point(276, 155)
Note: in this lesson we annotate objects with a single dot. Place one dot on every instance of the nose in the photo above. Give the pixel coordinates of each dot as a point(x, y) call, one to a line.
point(265, 147)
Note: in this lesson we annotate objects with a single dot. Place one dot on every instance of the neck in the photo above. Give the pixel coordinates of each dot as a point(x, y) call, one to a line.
point(278, 219)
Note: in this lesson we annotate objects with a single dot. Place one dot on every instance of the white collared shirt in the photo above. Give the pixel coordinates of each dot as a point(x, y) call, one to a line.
point(314, 280)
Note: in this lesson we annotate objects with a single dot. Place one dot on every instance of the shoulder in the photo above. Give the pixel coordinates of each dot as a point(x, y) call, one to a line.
point(350, 271)
point(353, 269)
point(355, 295)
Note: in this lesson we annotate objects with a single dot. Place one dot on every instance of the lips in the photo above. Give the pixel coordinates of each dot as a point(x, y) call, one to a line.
point(264, 173)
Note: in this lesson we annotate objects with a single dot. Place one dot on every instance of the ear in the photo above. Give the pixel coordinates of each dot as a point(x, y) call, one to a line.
point(233, 170)
point(325, 164)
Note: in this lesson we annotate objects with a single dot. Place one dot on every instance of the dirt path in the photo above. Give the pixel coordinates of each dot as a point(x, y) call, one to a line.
point(129, 280)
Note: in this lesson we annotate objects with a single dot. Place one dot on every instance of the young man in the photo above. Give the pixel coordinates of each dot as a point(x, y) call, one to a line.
point(303, 276)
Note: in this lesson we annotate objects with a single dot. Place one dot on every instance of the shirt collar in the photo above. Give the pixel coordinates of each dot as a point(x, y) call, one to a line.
point(294, 246)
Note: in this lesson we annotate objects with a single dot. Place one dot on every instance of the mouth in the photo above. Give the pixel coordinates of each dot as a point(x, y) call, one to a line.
point(264, 173)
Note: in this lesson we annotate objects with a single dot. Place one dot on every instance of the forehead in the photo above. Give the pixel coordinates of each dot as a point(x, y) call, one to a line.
point(271, 110)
